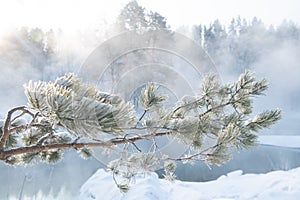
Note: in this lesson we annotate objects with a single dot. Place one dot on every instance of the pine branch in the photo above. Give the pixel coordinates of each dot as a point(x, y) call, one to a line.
point(77, 110)
point(107, 144)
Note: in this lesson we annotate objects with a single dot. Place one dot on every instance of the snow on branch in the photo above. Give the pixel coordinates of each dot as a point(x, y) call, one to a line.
point(68, 114)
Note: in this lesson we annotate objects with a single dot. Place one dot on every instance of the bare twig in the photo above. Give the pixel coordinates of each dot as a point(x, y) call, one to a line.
point(141, 117)
point(186, 105)
point(7, 123)
point(4, 154)
point(43, 139)
point(26, 126)
point(15, 129)
point(24, 111)
point(201, 153)
point(76, 140)
point(33, 119)
point(135, 146)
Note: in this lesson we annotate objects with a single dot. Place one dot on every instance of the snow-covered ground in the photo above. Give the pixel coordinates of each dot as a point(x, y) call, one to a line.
point(277, 185)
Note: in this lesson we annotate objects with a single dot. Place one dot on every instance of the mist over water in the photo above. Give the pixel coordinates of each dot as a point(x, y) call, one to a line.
point(260, 159)
point(61, 180)
point(33, 54)
point(281, 67)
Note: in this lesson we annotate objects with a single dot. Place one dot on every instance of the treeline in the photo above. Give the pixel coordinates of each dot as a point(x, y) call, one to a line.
point(236, 46)
point(241, 44)
point(33, 53)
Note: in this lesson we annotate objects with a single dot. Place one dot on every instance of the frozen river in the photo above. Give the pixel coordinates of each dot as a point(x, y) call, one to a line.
point(69, 174)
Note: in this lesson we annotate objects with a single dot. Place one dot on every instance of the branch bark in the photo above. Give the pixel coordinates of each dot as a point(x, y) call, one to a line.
point(4, 154)
point(7, 122)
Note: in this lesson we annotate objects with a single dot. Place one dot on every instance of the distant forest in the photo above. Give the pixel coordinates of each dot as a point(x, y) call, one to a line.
point(237, 46)
point(33, 53)
point(242, 43)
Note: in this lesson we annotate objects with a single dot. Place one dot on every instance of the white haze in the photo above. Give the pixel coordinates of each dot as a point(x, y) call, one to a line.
point(72, 15)
point(281, 66)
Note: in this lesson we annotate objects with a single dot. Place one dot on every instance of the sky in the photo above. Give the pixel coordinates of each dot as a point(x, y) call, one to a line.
point(70, 15)
point(195, 12)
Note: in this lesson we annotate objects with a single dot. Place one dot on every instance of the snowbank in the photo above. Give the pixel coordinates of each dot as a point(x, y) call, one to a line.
point(277, 185)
